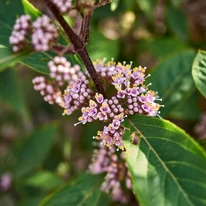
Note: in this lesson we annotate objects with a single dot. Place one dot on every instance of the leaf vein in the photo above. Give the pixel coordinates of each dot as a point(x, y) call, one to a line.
point(185, 195)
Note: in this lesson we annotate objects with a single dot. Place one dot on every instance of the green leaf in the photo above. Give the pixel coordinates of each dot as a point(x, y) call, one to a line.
point(199, 72)
point(147, 6)
point(9, 11)
point(183, 109)
point(173, 80)
point(177, 22)
point(11, 92)
point(129, 5)
point(9, 58)
point(104, 199)
point(85, 191)
point(41, 180)
point(32, 201)
point(38, 62)
point(163, 47)
point(114, 5)
point(202, 142)
point(30, 9)
point(176, 3)
point(35, 150)
point(168, 167)
point(100, 47)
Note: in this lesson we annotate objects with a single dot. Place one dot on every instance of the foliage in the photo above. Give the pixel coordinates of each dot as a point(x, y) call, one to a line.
point(167, 162)
point(89, 195)
point(198, 71)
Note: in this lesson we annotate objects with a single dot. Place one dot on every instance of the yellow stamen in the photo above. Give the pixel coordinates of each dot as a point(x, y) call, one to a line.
point(99, 133)
point(104, 105)
point(120, 116)
point(80, 118)
point(86, 109)
point(92, 103)
point(122, 147)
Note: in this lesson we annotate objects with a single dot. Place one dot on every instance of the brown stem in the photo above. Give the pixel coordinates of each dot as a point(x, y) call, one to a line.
point(79, 47)
point(102, 3)
point(61, 50)
point(70, 33)
point(92, 72)
point(77, 2)
point(85, 30)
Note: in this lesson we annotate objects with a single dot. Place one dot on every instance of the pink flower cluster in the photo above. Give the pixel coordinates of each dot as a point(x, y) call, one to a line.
point(101, 109)
point(48, 90)
point(105, 160)
point(63, 5)
point(77, 93)
point(129, 84)
point(20, 31)
point(43, 33)
point(5, 181)
point(200, 127)
point(105, 69)
point(104, 110)
point(129, 95)
point(62, 71)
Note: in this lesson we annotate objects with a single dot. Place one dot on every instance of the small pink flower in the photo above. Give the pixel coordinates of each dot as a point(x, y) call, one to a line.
point(102, 116)
point(99, 98)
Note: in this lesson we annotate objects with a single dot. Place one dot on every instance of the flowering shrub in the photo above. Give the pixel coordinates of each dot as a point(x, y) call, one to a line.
point(143, 158)
point(131, 95)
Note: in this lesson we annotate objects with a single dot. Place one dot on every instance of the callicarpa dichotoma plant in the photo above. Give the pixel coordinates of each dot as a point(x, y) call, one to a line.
point(139, 158)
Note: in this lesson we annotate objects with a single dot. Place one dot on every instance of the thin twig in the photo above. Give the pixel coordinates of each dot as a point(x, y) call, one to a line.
point(79, 47)
point(84, 33)
point(102, 3)
point(86, 23)
point(61, 50)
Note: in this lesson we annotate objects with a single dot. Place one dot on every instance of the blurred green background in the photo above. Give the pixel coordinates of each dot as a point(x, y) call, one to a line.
point(40, 149)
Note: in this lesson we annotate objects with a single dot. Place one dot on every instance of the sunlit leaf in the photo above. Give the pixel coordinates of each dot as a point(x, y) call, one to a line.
point(30, 9)
point(168, 167)
point(114, 5)
point(199, 72)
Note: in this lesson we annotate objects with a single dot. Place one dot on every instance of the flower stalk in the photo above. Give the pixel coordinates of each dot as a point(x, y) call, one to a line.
point(79, 46)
